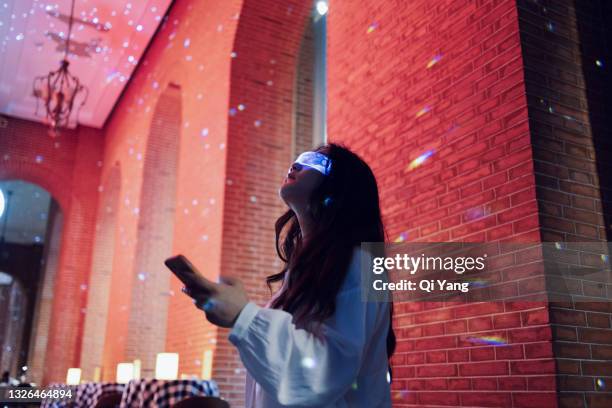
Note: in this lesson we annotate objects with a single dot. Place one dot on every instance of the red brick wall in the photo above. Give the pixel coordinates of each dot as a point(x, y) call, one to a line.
point(251, 130)
point(263, 78)
point(446, 77)
point(94, 334)
point(192, 50)
point(405, 78)
point(156, 212)
point(69, 168)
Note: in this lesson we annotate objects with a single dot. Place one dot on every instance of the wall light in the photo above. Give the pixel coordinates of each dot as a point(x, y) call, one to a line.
point(166, 366)
point(2, 203)
point(207, 365)
point(322, 7)
point(125, 373)
point(73, 377)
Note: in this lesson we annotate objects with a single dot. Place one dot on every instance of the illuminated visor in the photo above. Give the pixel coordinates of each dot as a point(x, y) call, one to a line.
point(316, 161)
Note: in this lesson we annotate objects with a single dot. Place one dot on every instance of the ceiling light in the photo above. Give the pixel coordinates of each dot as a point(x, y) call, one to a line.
point(58, 89)
point(322, 7)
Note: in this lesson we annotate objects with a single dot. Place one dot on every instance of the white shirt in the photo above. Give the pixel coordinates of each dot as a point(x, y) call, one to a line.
point(290, 367)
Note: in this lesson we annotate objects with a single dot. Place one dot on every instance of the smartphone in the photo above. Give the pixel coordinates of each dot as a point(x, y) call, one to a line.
point(183, 269)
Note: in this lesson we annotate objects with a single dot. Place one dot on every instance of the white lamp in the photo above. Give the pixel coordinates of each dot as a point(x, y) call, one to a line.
point(166, 366)
point(125, 372)
point(207, 365)
point(73, 377)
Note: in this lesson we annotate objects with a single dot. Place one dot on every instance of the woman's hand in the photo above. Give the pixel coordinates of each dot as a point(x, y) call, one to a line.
point(222, 302)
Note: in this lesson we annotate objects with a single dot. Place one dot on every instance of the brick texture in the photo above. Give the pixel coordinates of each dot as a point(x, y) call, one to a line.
point(44, 302)
point(257, 157)
point(98, 288)
point(567, 97)
point(157, 207)
point(68, 167)
point(446, 79)
point(206, 128)
point(202, 71)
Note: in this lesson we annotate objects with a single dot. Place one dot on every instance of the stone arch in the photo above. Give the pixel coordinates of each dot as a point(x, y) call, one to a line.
point(43, 304)
point(44, 177)
point(69, 170)
point(67, 310)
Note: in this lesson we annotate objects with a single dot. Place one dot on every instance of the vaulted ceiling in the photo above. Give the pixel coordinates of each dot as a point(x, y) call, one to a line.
point(108, 40)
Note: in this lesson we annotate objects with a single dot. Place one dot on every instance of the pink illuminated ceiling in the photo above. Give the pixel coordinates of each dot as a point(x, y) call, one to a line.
point(108, 39)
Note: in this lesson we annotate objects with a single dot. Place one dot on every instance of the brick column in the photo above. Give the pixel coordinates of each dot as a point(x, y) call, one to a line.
point(263, 77)
point(68, 312)
point(98, 287)
point(564, 46)
point(150, 279)
point(42, 313)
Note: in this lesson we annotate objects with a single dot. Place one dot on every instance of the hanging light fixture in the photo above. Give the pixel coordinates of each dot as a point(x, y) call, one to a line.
point(58, 90)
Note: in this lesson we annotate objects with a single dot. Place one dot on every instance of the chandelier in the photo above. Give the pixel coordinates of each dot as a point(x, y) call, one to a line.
point(58, 90)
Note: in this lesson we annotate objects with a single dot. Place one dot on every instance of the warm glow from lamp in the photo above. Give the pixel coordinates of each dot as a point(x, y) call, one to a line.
point(125, 372)
point(207, 365)
point(97, 374)
point(166, 366)
point(73, 377)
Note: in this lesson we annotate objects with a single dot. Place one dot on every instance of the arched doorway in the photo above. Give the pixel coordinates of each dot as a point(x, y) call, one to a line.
point(30, 236)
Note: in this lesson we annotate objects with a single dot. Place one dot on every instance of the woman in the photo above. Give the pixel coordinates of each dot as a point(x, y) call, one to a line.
point(316, 343)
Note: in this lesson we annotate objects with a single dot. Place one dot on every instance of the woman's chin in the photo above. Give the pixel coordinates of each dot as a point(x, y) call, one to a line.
point(286, 193)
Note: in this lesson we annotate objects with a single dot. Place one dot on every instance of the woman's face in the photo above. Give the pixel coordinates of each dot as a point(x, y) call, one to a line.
point(299, 184)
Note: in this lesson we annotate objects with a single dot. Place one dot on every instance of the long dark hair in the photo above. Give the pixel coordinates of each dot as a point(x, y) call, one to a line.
point(347, 212)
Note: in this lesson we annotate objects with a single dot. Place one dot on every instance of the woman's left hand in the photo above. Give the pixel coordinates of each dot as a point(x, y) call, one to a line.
point(222, 301)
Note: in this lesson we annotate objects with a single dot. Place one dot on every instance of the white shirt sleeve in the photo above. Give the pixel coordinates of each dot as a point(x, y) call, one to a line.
point(297, 368)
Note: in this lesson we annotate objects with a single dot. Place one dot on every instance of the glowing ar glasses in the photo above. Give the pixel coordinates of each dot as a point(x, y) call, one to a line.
point(316, 161)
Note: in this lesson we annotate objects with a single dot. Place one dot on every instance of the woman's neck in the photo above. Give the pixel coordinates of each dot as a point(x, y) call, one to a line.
point(306, 223)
